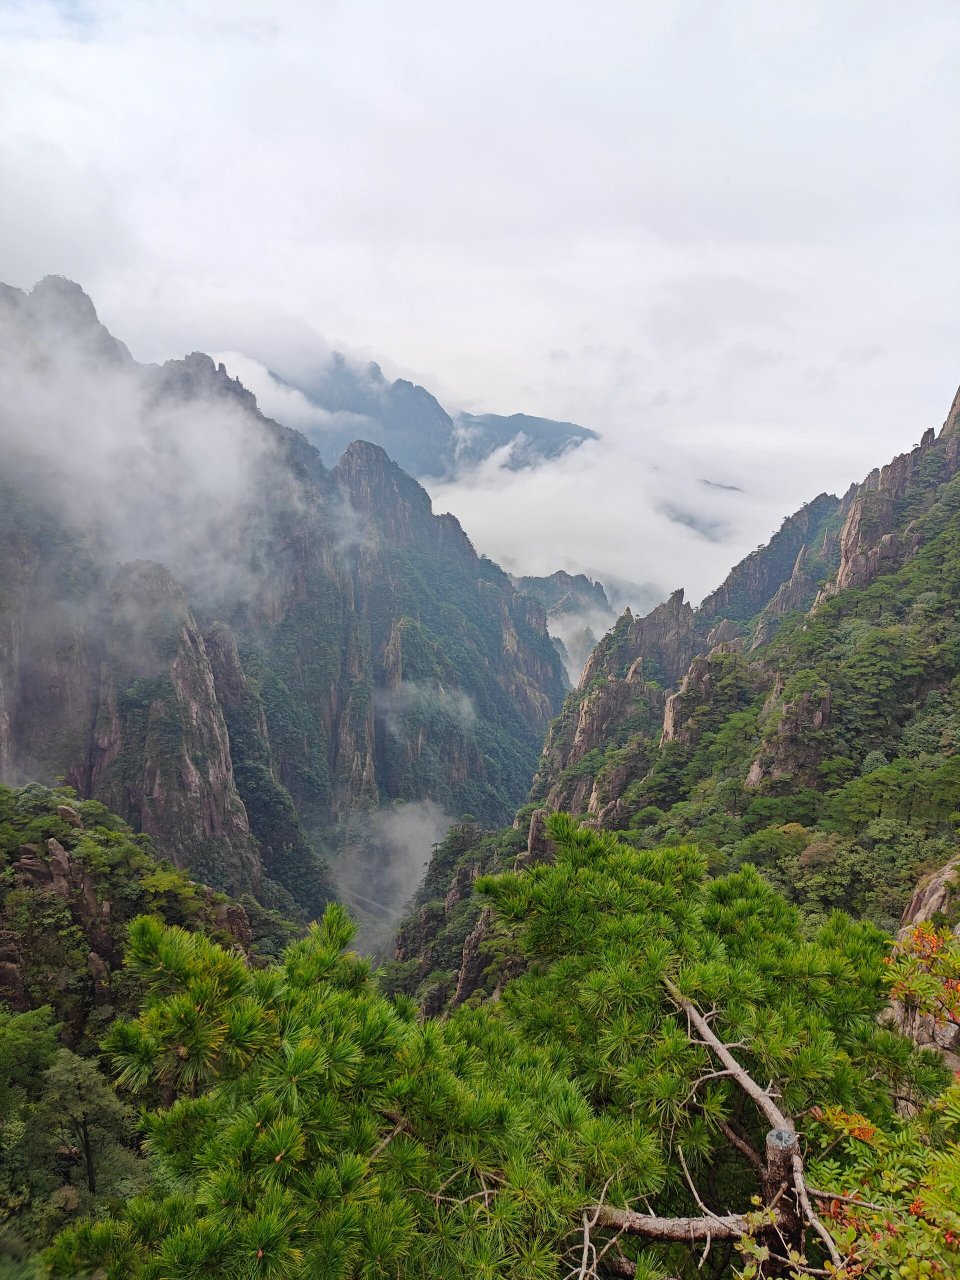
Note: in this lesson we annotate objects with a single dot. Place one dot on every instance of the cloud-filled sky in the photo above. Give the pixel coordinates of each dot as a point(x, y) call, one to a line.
point(724, 233)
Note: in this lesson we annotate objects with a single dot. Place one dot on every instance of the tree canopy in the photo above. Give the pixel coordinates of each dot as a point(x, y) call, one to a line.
point(672, 1071)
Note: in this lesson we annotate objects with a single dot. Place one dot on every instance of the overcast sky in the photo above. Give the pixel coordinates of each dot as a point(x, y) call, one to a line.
point(724, 234)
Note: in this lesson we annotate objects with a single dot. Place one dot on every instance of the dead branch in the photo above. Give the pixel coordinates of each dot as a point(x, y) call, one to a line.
point(782, 1170)
point(812, 1218)
point(678, 1230)
point(764, 1102)
point(382, 1146)
point(693, 1190)
point(586, 1270)
point(784, 1162)
point(835, 1195)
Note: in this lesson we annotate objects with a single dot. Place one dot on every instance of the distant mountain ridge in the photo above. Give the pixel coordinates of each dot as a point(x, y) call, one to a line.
point(563, 593)
point(350, 399)
point(578, 609)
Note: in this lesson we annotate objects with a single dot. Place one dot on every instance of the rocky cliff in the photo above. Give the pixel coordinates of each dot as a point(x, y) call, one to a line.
point(236, 648)
point(934, 899)
point(880, 528)
point(564, 593)
point(828, 548)
point(578, 611)
point(808, 536)
point(159, 752)
point(72, 877)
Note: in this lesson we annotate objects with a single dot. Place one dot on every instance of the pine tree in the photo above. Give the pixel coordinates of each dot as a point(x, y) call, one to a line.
point(648, 1091)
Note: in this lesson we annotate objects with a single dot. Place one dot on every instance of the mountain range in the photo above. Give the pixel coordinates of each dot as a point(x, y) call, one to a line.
point(708, 954)
point(259, 661)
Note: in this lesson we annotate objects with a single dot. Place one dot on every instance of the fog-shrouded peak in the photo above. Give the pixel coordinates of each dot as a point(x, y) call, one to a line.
point(336, 398)
point(60, 319)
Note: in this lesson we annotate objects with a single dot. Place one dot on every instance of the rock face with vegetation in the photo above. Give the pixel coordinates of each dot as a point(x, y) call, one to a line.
point(239, 650)
point(659, 1037)
point(159, 750)
point(565, 593)
point(804, 719)
point(73, 877)
point(578, 610)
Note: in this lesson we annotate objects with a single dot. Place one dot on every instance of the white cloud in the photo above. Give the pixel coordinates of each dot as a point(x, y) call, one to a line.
point(682, 225)
point(632, 507)
point(147, 468)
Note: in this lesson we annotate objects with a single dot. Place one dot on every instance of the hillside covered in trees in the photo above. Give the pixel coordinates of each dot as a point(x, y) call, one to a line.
point(72, 878)
point(672, 1022)
point(679, 1078)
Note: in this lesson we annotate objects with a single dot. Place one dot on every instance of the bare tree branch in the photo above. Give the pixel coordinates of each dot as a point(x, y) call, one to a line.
point(706, 1252)
point(679, 1230)
point(812, 1218)
point(780, 1174)
point(835, 1195)
point(782, 1147)
point(382, 1146)
point(764, 1102)
point(586, 1270)
point(693, 1189)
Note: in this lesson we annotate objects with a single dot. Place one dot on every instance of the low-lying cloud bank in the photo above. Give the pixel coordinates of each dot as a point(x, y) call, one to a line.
point(657, 503)
point(641, 506)
point(645, 508)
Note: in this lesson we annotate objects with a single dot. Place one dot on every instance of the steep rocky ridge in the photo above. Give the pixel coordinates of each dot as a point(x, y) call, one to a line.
point(159, 750)
point(935, 896)
point(578, 610)
point(562, 593)
point(934, 900)
point(880, 530)
point(828, 547)
point(297, 647)
point(442, 947)
point(809, 535)
point(72, 877)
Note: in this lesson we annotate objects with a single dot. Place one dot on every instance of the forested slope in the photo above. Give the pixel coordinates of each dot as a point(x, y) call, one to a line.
point(817, 742)
point(635, 1056)
point(72, 878)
